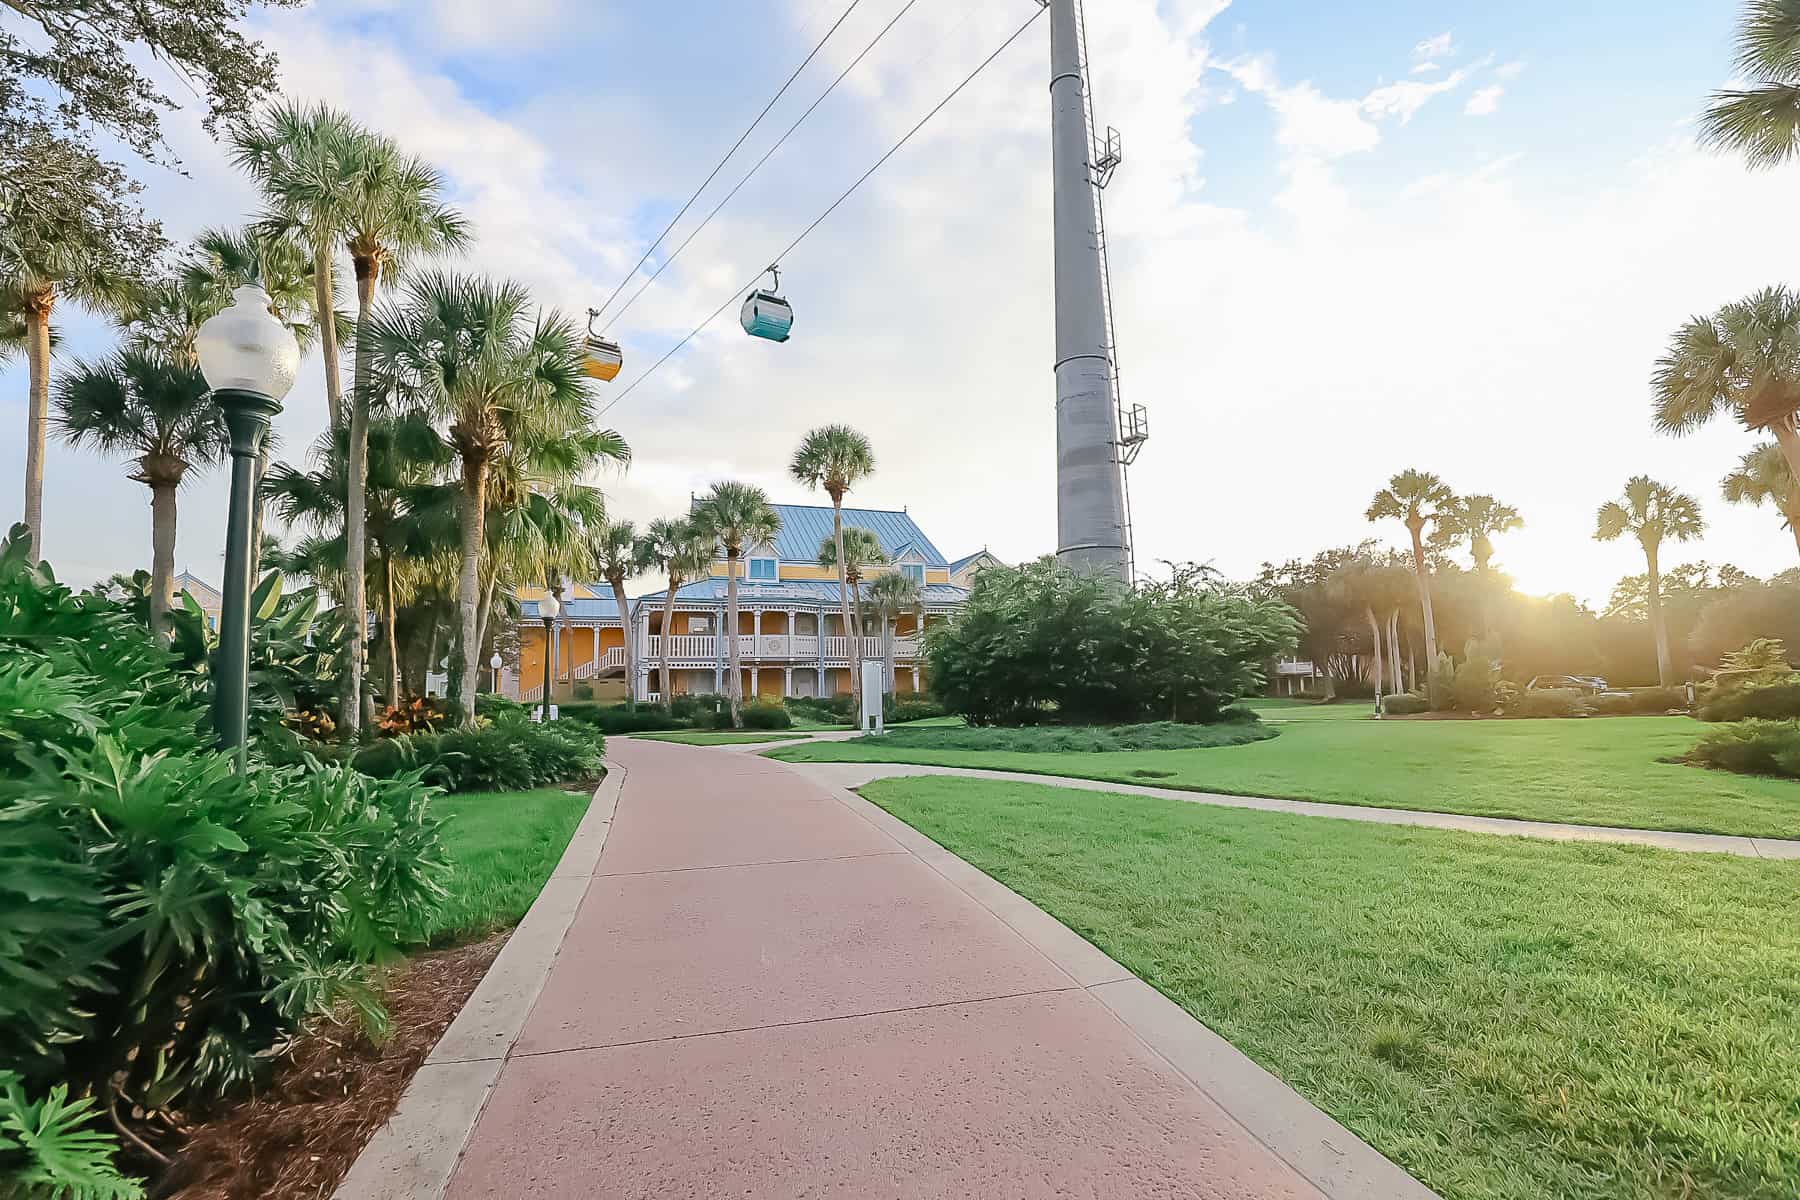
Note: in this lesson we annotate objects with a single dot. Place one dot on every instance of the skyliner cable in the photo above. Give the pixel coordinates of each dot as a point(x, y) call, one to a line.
point(831, 208)
point(734, 149)
point(770, 153)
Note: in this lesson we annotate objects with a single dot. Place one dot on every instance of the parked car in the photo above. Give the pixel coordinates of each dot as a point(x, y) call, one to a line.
point(1592, 685)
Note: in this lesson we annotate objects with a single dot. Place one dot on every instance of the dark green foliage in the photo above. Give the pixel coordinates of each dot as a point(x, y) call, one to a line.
point(899, 710)
point(1557, 702)
point(510, 754)
point(767, 716)
point(622, 718)
point(1643, 701)
point(1752, 748)
point(826, 710)
point(164, 921)
point(1771, 702)
point(1078, 739)
point(1040, 641)
point(1404, 704)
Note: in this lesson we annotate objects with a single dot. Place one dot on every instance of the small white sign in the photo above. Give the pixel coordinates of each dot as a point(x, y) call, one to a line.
point(873, 684)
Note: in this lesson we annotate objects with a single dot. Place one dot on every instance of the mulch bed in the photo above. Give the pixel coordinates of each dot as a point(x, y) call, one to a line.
point(330, 1091)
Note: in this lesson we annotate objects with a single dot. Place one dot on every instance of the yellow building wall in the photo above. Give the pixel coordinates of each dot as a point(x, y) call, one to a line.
point(575, 645)
point(572, 592)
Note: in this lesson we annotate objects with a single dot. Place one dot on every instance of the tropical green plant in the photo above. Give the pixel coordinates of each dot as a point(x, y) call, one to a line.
point(1743, 360)
point(861, 550)
point(682, 555)
point(1762, 121)
point(1751, 747)
point(158, 412)
point(1476, 520)
point(837, 458)
point(736, 517)
point(1415, 499)
point(1652, 513)
point(1763, 477)
point(618, 553)
point(466, 351)
point(892, 595)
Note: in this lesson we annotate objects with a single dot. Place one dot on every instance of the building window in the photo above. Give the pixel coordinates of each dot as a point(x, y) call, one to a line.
point(914, 572)
point(763, 569)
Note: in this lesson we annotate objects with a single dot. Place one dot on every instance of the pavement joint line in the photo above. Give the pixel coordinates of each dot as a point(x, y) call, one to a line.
point(1680, 841)
point(1334, 1160)
point(965, 1002)
point(762, 862)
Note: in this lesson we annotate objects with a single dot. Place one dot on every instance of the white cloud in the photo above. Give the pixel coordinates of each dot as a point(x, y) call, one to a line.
point(1405, 98)
point(1441, 46)
point(1484, 101)
point(1509, 70)
point(1425, 67)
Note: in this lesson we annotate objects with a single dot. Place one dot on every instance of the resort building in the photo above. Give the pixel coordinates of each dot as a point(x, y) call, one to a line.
point(791, 635)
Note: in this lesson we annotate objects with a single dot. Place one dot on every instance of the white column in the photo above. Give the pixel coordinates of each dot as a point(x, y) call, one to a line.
point(754, 673)
point(787, 681)
point(915, 680)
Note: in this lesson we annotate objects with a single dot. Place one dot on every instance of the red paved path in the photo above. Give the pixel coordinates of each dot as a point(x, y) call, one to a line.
point(763, 995)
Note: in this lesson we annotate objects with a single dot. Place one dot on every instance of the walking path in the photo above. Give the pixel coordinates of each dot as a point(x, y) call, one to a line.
point(854, 775)
point(772, 988)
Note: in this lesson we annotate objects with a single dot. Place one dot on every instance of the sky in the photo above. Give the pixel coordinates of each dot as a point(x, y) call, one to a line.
point(1345, 240)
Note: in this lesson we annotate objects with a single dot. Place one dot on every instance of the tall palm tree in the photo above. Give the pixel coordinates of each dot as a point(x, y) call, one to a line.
point(1475, 520)
point(468, 352)
point(1652, 513)
point(836, 458)
point(158, 411)
point(672, 545)
point(619, 553)
point(861, 550)
point(1743, 359)
point(1763, 477)
point(1762, 122)
point(33, 277)
point(736, 516)
point(1415, 498)
point(890, 596)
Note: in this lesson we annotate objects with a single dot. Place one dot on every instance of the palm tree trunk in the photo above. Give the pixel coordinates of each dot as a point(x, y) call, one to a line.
point(1375, 640)
point(356, 518)
point(1664, 670)
point(328, 344)
point(256, 509)
point(1393, 636)
point(735, 692)
point(487, 612)
point(668, 691)
point(837, 537)
point(37, 420)
point(1788, 438)
point(162, 556)
point(618, 590)
point(1418, 550)
point(390, 617)
point(468, 583)
point(1794, 528)
point(890, 624)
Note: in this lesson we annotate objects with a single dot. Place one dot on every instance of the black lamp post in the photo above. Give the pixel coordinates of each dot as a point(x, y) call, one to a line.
point(249, 358)
point(549, 608)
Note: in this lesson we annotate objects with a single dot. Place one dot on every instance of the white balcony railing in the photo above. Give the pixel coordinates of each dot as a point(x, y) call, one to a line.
point(778, 647)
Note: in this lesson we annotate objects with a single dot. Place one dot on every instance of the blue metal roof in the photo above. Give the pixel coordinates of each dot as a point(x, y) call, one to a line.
point(804, 526)
point(802, 592)
point(966, 559)
point(600, 608)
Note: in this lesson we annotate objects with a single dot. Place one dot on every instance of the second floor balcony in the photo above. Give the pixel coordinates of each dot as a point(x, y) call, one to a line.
point(772, 647)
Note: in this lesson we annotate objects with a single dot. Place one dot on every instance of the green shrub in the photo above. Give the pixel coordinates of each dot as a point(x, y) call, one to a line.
point(165, 920)
point(512, 754)
point(829, 710)
point(1752, 747)
point(622, 718)
point(765, 716)
point(1769, 702)
point(1640, 701)
point(1557, 702)
point(1041, 638)
point(898, 710)
point(1404, 704)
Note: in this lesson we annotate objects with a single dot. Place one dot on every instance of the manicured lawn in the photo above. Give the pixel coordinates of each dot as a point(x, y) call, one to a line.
point(1066, 739)
point(1278, 710)
point(1509, 1019)
point(720, 737)
point(502, 848)
point(1601, 771)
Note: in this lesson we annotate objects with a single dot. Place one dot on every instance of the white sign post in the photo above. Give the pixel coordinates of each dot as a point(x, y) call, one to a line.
point(873, 681)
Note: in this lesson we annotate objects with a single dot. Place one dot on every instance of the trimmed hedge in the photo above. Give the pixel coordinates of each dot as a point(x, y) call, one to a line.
point(1404, 704)
point(1553, 702)
point(511, 754)
point(1752, 747)
point(1641, 701)
point(622, 718)
point(1770, 702)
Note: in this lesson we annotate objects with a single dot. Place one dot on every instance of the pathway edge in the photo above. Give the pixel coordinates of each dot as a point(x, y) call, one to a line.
point(1335, 1160)
point(415, 1151)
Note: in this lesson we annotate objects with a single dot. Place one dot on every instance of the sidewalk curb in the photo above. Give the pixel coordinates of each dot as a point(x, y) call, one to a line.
point(1337, 1162)
point(413, 1155)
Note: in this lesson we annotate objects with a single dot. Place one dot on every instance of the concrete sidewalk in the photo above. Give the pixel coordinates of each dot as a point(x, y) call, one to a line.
point(773, 989)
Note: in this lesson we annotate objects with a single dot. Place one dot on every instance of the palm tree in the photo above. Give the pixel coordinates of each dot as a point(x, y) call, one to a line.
point(1744, 359)
point(736, 516)
point(1415, 498)
point(891, 595)
point(33, 277)
point(1763, 477)
point(160, 412)
point(466, 351)
point(836, 458)
point(618, 553)
point(1652, 513)
point(1763, 121)
point(672, 545)
point(1476, 519)
point(862, 549)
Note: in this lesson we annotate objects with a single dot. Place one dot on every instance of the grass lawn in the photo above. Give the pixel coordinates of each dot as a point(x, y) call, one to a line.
point(502, 848)
point(1508, 1019)
point(721, 737)
point(1601, 771)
